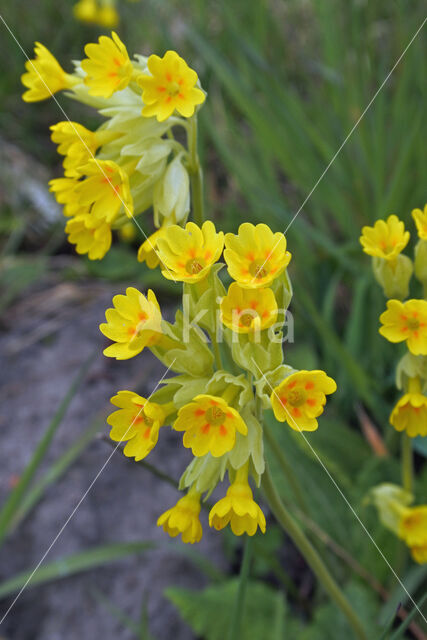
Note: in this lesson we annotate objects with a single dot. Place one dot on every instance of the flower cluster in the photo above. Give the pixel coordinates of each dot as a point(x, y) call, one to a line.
point(132, 161)
point(405, 320)
point(217, 412)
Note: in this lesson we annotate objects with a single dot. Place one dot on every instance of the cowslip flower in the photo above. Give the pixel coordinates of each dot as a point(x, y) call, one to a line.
point(44, 76)
point(238, 508)
point(188, 254)
point(170, 87)
point(136, 422)
point(410, 412)
point(105, 189)
point(133, 324)
point(413, 530)
point(148, 251)
point(420, 219)
point(210, 425)
point(300, 398)
point(183, 519)
point(406, 321)
point(90, 235)
point(256, 255)
point(107, 66)
point(64, 190)
point(386, 239)
point(78, 144)
point(248, 310)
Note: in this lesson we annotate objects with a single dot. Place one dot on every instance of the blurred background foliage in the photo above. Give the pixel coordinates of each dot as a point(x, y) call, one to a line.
point(287, 82)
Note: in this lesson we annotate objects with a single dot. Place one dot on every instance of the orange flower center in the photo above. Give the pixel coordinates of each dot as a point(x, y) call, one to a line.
point(246, 319)
point(258, 270)
point(195, 265)
point(215, 416)
point(413, 324)
point(297, 397)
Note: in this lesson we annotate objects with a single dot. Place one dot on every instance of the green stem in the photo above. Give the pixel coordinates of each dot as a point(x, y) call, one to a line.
point(196, 174)
point(217, 352)
point(310, 554)
point(286, 468)
point(236, 623)
point(407, 463)
point(425, 290)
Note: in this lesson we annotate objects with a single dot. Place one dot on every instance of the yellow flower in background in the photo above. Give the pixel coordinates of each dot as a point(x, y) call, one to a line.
point(90, 235)
point(86, 11)
point(44, 76)
point(136, 422)
point(133, 324)
point(107, 66)
point(64, 190)
point(413, 530)
point(183, 519)
point(128, 232)
point(256, 255)
point(248, 310)
point(410, 412)
point(238, 508)
point(300, 398)
point(148, 251)
point(170, 87)
point(420, 219)
point(210, 425)
point(386, 239)
point(106, 189)
point(406, 321)
point(107, 17)
point(188, 254)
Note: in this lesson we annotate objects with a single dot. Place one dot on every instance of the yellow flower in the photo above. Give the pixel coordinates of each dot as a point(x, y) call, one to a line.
point(420, 219)
point(410, 412)
point(148, 251)
point(256, 256)
point(238, 508)
point(128, 232)
point(90, 235)
point(105, 189)
point(137, 421)
point(406, 321)
point(413, 530)
point(107, 17)
point(300, 399)
point(44, 76)
point(133, 324)
point(64, 190)
point(386, 239)
point(210, 425)
point(86, 10)
point(188, 254)
point(183, 519)
point(170, 87)
point(248, 310)
point(107, 66)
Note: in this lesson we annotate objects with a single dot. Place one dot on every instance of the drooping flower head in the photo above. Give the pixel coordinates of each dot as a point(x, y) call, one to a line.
point(238, 508)
point(248, 310)
point(256, 255)
point(300, 398)
point(406, 321)
point(413, 529)
point(148, 251)
point(136, 422)
point(107, 66)
point(91, 235)
point(105, 190)
point(44, 76)
point(209, 425)
point(188, 254)
point(170, 87)
point(386, 239)
point(420, 219)
point(133, 324)
point(183, 519)
point(410, 412)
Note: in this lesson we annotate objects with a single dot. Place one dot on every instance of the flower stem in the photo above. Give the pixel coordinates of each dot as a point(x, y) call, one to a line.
point(407, 463)
point(293, 529)
point(236, 623)
point(196, 174)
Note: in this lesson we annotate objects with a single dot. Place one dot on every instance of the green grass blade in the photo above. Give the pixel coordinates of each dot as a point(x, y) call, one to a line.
point(405, 624)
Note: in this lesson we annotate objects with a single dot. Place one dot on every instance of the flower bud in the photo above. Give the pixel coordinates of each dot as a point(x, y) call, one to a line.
point(421, 261)
point(171, 196)
point(393, 276)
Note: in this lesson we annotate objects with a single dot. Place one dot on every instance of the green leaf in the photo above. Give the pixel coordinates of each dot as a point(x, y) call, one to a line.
point(209, 612)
